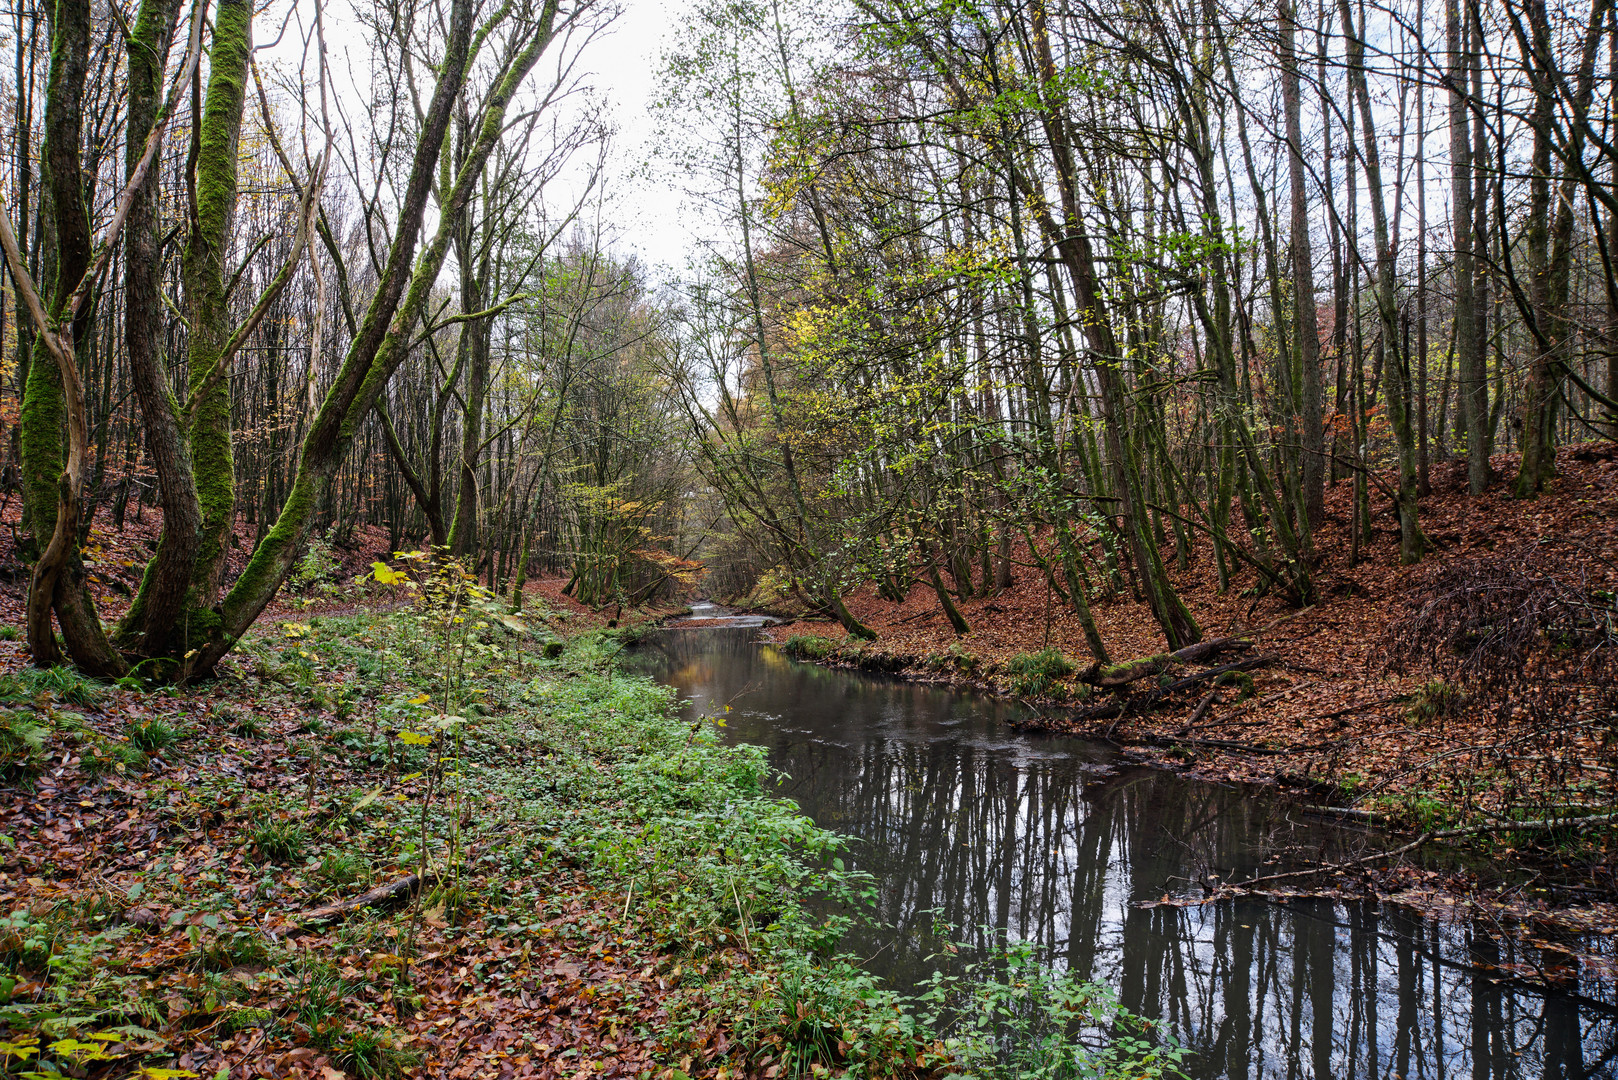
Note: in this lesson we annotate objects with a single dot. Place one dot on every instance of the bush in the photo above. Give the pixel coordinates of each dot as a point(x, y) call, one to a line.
point(317, 568)
point(809, 647)
point(1035, 674)
point(1010, 1015)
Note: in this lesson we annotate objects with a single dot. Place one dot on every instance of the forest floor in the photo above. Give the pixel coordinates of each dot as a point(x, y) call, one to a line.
point(1343, 711)
point(385, 843)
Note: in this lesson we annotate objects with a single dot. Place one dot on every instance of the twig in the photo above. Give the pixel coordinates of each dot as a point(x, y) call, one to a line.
point(405, 886)
point(1542, 825)
point(1199, 712)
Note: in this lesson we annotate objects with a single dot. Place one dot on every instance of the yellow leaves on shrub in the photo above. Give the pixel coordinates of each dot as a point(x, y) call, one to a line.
point(387, 575)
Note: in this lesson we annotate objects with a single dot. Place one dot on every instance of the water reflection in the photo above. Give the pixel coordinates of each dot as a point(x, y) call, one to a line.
point(961, 819)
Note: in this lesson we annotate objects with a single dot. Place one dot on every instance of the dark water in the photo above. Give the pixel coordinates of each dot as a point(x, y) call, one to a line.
point(962, 819)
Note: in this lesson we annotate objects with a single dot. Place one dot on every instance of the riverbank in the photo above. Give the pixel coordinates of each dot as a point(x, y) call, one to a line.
point(1342, 701)
point(398, 845)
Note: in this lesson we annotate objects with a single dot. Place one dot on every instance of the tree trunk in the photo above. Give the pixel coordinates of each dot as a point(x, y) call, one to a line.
point(1305, 327)
point(1411, 540)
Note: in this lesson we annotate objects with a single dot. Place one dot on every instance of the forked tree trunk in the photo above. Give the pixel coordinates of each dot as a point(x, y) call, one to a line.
point(397, 306)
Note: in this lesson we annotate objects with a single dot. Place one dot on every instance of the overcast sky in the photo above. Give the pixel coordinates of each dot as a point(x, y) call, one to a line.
point(624, 65)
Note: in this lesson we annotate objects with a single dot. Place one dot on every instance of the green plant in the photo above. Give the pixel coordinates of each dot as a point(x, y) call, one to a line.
point(372, 1055)
point(152, 736)
point(279, 841)
point(245, 1018)
point(1435, 699)
point(116, 757)
point(9, 633)
point(316, 1002)
point(809, 647)
point(248, 726)
point(233, 950)
point(318, 567)
point(1035, 674)
point(342, 868)
point(22, 743)
point(27, 685)
point(1008, 1015)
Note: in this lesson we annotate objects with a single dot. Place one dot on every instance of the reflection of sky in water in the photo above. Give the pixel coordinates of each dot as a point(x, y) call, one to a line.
point(955, 813)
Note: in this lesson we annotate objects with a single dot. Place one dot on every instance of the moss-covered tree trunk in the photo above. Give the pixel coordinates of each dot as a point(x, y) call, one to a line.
point(204, 269)
point(474, 347)
point(52, 406)
point(160, 602)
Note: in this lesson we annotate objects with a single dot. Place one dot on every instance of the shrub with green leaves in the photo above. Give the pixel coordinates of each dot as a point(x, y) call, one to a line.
point(1011, 1016)
point(318, 568)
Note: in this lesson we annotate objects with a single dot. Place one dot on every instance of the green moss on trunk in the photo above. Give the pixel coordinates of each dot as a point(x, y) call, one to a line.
point(216, 146)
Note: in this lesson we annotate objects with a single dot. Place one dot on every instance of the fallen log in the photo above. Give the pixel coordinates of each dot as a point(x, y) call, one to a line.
point(1152, 699)
point(382, 894)
point(1115, 675)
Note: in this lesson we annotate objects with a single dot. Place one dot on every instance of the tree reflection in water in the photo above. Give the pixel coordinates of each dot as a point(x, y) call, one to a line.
point(964, 822)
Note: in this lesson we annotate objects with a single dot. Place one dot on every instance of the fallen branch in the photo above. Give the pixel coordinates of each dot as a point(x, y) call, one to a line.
point(1199, 712)
point(397, 890)
point(1265, 700)
point(1374, 817)
point(1541, 825)
point(1213, 744)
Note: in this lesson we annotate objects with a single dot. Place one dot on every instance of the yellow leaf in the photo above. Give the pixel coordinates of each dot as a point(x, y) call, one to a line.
point(386, 575)
point(414, 738)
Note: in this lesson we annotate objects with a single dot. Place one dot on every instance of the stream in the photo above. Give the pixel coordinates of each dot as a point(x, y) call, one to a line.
point(965, 822)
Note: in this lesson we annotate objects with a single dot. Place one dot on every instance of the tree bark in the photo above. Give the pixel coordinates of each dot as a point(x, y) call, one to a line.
point(1412, 542)
point(1305, 326)
point(158, 604)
